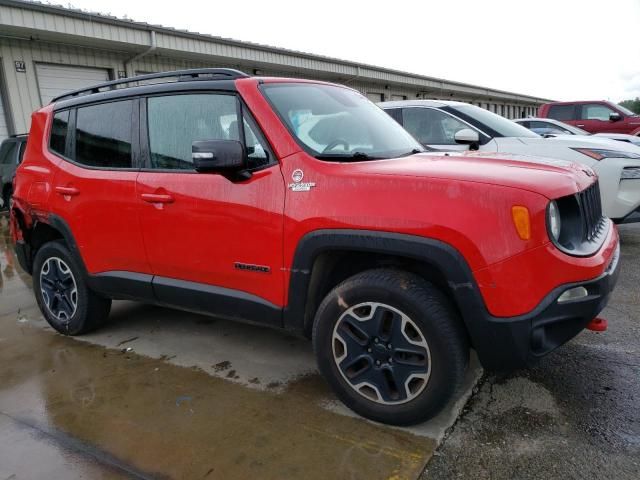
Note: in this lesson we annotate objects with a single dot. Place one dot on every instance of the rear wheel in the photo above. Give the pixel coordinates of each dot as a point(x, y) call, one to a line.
point(391, 345)
point(62, 294)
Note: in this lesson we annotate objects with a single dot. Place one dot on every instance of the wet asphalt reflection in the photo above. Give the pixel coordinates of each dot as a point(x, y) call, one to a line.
point(164, 394)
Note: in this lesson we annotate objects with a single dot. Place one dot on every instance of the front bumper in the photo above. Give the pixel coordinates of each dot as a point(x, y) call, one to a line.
point(509, 343)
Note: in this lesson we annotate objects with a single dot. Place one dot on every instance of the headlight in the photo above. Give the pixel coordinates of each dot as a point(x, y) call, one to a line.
point(630, 173)
point(553, 220)
point(599, 153)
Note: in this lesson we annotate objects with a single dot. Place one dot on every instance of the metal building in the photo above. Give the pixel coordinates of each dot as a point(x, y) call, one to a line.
point(46, 50)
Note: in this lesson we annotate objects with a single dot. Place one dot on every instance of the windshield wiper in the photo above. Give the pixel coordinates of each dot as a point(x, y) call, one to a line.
point(348, 157)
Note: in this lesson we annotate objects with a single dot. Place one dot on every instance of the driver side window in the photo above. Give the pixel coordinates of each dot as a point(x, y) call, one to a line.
point(596, 111)
point(430, 126)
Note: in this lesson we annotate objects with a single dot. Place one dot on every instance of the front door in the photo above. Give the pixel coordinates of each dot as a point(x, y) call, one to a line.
point(594, 118)
point(205, 232)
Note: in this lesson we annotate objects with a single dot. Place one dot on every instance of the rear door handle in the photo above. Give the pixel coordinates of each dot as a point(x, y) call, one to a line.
point(580, 125)
point(70, 191)
point(156, 198)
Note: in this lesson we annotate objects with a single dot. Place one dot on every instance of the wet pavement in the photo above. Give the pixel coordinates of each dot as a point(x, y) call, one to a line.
point(159, 393)
point(574, 416)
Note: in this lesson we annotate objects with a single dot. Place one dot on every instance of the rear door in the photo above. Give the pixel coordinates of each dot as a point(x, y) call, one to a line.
point(94, 190)
point(204, 230)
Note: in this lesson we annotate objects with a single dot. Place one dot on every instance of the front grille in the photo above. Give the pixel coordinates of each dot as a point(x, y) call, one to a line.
point(591, 211)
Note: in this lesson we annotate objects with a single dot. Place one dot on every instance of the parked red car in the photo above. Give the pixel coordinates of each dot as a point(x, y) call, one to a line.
point(593, 116)
point(301, 205)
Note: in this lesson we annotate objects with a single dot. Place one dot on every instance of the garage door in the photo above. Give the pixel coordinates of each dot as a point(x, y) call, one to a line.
point(55, 80)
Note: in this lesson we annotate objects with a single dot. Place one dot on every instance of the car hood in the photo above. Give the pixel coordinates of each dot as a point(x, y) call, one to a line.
point(581, 141)
point(548, 177)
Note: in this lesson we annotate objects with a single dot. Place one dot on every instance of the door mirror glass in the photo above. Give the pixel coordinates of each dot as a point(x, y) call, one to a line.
point(466, 136)
point(217, 155)
point(615, 117)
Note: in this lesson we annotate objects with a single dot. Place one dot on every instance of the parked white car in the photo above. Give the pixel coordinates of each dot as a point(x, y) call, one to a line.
point(456, 126)
point(551, 127)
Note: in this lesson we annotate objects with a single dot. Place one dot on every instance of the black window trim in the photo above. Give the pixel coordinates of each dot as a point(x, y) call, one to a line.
point(70, 150)
point(241, 108)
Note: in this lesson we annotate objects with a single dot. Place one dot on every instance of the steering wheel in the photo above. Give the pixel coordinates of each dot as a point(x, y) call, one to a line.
point(335, 143)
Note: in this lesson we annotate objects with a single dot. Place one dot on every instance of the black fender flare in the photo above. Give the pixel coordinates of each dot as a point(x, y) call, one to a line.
point(448, 260)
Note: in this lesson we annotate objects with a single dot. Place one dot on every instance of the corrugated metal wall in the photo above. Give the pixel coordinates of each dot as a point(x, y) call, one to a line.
point(24, 93)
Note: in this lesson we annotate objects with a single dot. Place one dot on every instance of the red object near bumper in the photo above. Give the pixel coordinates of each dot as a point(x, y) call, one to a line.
point(597, 325)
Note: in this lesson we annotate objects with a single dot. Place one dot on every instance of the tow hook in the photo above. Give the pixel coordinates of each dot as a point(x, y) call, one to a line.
point(597, 325)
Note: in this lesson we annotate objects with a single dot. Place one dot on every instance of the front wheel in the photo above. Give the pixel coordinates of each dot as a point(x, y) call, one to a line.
point(391, 345)
point(62, 294)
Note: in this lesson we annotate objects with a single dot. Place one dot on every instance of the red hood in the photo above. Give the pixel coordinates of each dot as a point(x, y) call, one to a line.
point(551, 178)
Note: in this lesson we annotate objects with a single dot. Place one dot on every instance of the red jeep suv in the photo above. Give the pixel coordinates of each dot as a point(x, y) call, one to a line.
point(302, 205)
point(594, 117)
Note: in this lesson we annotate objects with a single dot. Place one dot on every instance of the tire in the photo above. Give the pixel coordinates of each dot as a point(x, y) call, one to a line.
point(383, 308)
point(62, 294)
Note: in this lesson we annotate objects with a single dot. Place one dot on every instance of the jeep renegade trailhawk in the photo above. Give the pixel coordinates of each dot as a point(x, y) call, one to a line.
point(302, 205)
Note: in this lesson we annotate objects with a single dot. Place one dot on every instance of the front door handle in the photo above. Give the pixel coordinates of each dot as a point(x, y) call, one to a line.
point(157, 198)
point(68, 191)
point(579, 125)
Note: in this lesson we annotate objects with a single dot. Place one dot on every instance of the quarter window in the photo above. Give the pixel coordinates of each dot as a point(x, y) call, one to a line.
point(103, 135)
point(59, 131)
point(8, 154)
point(430, 126)
point(596, 111)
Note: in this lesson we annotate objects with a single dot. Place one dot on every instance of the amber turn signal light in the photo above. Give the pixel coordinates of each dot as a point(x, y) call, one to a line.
point(522, 221)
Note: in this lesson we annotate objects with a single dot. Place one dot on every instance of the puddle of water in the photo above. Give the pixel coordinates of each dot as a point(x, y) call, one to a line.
point(170, 421)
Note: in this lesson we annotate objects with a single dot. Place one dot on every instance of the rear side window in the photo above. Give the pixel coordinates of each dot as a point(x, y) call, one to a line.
point(103, 135)
point(59, 132)
point(562, 112)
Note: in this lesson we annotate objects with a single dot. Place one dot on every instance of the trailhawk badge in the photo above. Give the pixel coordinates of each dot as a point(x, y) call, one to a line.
point(298, 185)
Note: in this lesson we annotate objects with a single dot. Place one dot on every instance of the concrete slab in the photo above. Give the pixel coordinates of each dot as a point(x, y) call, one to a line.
point(159, 393)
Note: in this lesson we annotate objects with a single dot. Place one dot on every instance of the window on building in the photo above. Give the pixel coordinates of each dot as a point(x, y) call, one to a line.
point(59, 130)
point(103, 135)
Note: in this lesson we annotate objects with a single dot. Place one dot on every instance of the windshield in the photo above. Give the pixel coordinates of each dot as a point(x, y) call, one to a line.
point(624, 110)
point(486, 120)
point(336, 122)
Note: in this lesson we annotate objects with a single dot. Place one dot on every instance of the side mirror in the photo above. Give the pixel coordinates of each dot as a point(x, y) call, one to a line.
point(466, 136)
point(615, 117)
point(218, 156)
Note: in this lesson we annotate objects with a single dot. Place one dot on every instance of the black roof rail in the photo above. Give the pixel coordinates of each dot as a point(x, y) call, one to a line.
point(181, 75)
